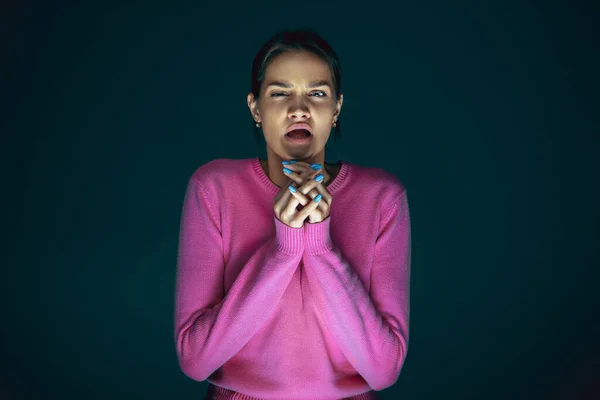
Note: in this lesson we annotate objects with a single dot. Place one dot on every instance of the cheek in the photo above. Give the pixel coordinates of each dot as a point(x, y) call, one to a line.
point(326, 111)
point(272, 113)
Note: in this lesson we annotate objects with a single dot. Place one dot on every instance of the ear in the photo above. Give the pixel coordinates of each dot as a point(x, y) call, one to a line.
point(338, 106)
point(253, 106)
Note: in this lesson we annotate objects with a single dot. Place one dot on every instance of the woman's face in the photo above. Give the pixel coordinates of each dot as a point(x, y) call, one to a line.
point(297, 88)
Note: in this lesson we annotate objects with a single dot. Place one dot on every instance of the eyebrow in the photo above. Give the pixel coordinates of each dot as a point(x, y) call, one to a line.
point(289, 85)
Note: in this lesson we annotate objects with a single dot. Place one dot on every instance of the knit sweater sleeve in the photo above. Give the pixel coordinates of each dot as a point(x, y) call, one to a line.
point(211, 327)
point(370, 327)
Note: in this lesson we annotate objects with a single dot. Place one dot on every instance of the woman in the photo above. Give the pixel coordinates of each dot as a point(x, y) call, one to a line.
point(280, 293)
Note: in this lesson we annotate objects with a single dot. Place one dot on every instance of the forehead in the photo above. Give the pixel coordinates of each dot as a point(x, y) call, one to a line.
point(297, 66)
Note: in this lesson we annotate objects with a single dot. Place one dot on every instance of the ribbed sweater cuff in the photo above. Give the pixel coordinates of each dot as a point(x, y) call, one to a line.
point(318, 238)
point(288, 240)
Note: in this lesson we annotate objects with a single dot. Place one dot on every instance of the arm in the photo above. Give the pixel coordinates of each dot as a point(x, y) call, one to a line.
point(370, 329)
point(211, 328)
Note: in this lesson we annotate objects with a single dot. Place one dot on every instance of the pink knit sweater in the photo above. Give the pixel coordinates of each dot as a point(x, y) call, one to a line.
point(266, 311)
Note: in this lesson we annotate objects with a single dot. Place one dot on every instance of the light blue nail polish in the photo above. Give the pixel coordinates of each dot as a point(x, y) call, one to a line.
point(319, 178)
point(288, 162)
point(292, 189)
point(287, 171)
point(318, 198)
point(316, 167)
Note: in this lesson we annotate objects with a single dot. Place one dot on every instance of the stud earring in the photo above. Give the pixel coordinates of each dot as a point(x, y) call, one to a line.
point(258, 124)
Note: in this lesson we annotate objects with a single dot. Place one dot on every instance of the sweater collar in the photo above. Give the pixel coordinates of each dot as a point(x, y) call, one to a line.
point(333, 187)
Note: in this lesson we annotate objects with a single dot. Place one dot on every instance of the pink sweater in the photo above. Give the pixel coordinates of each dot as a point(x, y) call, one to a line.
point(266, 311)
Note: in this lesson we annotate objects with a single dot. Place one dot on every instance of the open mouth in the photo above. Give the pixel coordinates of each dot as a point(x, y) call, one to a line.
point(298, 134)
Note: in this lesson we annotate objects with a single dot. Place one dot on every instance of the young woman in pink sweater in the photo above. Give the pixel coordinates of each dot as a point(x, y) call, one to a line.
point(283, 293)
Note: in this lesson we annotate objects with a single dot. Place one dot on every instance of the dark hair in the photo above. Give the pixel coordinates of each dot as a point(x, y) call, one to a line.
point(285, 41)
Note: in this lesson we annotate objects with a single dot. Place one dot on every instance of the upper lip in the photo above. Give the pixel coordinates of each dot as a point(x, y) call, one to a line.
point(301, 125)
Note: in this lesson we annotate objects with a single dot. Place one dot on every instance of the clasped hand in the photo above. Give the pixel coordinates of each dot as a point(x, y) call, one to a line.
point(287, 201)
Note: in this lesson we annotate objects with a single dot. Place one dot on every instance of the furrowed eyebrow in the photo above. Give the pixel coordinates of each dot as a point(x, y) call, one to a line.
point(289, 85)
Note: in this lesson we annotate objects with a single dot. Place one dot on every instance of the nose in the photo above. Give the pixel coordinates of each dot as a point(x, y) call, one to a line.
point(298, 110)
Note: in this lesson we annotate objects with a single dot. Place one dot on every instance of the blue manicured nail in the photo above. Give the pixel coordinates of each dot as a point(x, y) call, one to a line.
point(287, 171)
point(319, 178)
point(292, 189)
point(288, 162)
point(318, 198)
point(316, 167)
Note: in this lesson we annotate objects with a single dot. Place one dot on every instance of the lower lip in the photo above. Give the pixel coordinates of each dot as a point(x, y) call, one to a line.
point(299, 140)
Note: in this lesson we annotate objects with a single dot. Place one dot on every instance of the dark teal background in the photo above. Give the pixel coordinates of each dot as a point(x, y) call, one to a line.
point(488, 112)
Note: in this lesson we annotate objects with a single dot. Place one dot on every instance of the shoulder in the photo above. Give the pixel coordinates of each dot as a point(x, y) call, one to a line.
point(378, 180)
point(213, 177)
point(217, 170)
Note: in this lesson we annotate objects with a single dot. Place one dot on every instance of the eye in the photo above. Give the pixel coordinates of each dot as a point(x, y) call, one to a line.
point(277, 94)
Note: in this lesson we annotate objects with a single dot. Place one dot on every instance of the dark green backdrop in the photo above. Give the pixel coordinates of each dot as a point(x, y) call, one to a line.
point(487, 112)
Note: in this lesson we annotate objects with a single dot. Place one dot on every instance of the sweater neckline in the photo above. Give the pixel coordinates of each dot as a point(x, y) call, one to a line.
point(332, 188)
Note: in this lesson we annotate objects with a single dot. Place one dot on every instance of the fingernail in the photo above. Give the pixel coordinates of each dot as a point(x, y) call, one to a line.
point(316, 167)
point(288, 162)
point(318, 198)
point(292, 189)
point(287, 171)
point(319, 178)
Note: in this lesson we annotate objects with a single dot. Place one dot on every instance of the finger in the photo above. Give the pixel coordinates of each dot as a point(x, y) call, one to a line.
point(309, 188)
point(303, 170)
point(308, 176)
point(305, 192)
point(308, 191)
point(318, 168)
point(292, 203)
point(302, 199)
point(300, 165)
point(282, 197)
point(281, 200)
point(323, 192)
point(295, 176)
point(305, 212)
point(315, 190)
